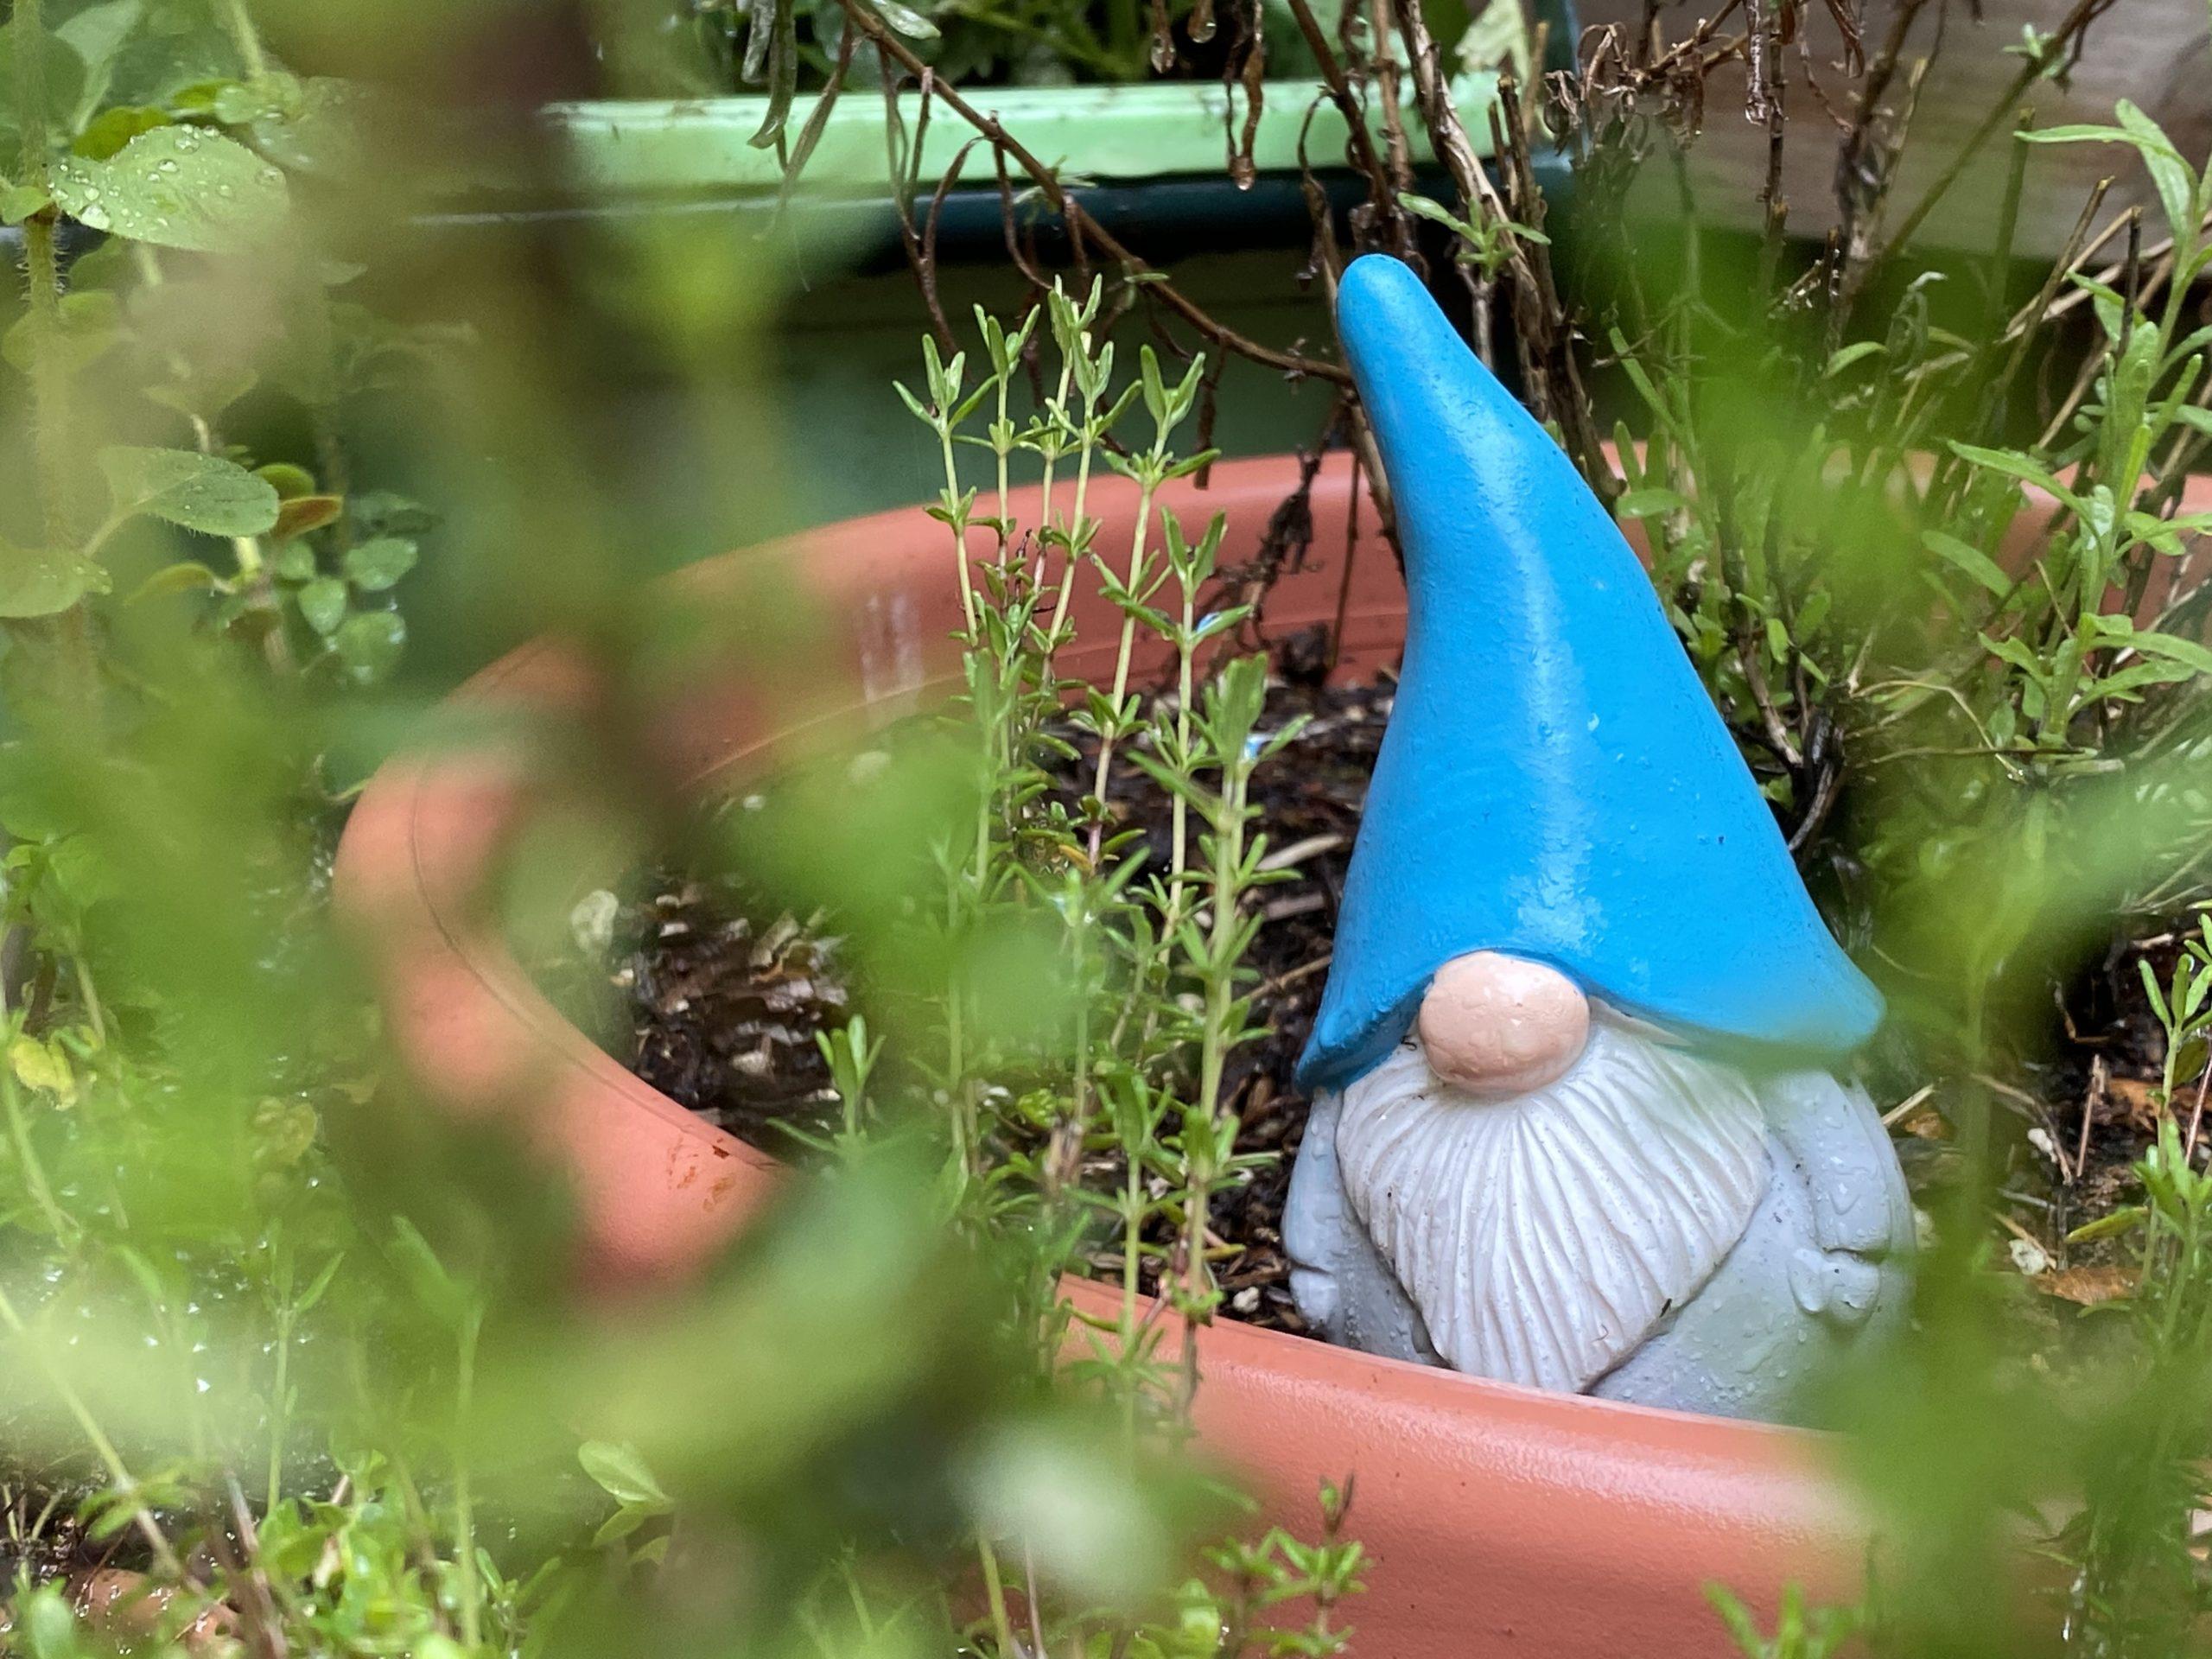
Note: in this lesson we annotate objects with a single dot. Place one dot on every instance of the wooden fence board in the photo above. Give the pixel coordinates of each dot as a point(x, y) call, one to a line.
point(2155, 51)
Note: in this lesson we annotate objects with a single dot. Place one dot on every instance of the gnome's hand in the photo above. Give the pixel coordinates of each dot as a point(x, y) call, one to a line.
point(1501, 1025)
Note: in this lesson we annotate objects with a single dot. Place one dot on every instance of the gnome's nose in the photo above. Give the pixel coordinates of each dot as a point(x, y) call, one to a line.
point(1502, 1025)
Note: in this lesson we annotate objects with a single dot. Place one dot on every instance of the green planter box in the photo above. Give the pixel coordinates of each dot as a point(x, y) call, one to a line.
point(1150, 161)
point(1166, 131)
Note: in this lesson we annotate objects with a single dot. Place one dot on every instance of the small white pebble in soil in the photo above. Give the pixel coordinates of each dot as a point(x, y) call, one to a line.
point(2028, 1258)
point(754, 1063)
point(592, 922)
point(2039, 1138)
point(1246, 1300)
point(867, 766)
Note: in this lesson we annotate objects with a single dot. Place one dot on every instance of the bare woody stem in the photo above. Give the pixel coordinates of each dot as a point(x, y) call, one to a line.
point(1078, 219)
point(2069, 33)
point(1358, 140)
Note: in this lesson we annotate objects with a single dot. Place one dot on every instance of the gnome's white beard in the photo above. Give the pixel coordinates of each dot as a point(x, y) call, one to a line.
point(1543, 1237)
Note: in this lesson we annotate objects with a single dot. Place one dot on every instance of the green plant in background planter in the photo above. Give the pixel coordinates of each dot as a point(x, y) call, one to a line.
point(720, 46)
point(1199, 163)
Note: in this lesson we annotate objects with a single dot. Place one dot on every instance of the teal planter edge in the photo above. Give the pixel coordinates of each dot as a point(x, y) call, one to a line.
point(633, 148)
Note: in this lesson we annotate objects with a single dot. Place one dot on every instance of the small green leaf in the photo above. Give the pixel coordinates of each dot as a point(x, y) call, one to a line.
point(1436, 212)
point(189, 576)
point(2079, 133)
point(622, 1474)
point(445, 1296)
point(2175, 180)
point(322, 602)
point(294, 563)
point(203, 493)
point(2020, 466)
point(1969, 561)
point(19, 201)
point(1851, 353)
point(177, 186)
point(2123, 1220)
point(96, 34)
point(2188, 1059)
point(2174, 649)
point(369, 644)
point(320, 1284)
point(38, 1067)
point(287, 480)
point(907, 21)
point(41, 582)
point(374, 566)
point(91, 322)
point(619, 1526)
point(109, 131)
point(1647, 503)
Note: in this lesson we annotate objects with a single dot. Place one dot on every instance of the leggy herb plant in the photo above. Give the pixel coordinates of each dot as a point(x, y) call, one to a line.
point(1129, 1082)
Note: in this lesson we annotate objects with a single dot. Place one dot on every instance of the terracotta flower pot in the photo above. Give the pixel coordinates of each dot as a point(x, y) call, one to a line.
point(1496, 1517)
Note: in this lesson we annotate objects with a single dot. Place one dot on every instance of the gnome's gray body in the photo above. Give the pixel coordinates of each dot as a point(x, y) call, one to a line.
point(1818, 1269)
point(1579, 1121)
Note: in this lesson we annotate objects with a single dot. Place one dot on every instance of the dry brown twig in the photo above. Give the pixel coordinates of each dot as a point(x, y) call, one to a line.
point(1078, 219)
point(2067, 39)
point(1359, 142)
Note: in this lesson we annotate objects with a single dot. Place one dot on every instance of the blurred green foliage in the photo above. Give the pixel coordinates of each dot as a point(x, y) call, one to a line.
point(308, 1355)
point(305, 1365)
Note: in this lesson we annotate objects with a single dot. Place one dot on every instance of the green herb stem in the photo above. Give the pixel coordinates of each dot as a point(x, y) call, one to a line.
point(238, 22)
point(111, 1460)
point(1075, 537)
point(65, 1226)
point(995, 1590)
point(464, 1503)
point(1107, 738)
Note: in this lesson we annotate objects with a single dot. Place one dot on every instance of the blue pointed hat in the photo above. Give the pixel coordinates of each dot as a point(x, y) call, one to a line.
point(1555, 783)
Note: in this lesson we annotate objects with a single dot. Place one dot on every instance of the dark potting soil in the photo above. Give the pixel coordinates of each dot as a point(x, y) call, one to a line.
point(717, 1000)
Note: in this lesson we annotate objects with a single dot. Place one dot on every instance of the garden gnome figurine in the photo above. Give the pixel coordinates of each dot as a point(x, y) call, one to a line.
point(1576, 1117)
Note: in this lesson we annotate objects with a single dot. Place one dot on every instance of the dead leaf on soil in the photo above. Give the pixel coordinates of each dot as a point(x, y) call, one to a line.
point(2138, 1097)
point(2089, 1286)
point(1926, 1123)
